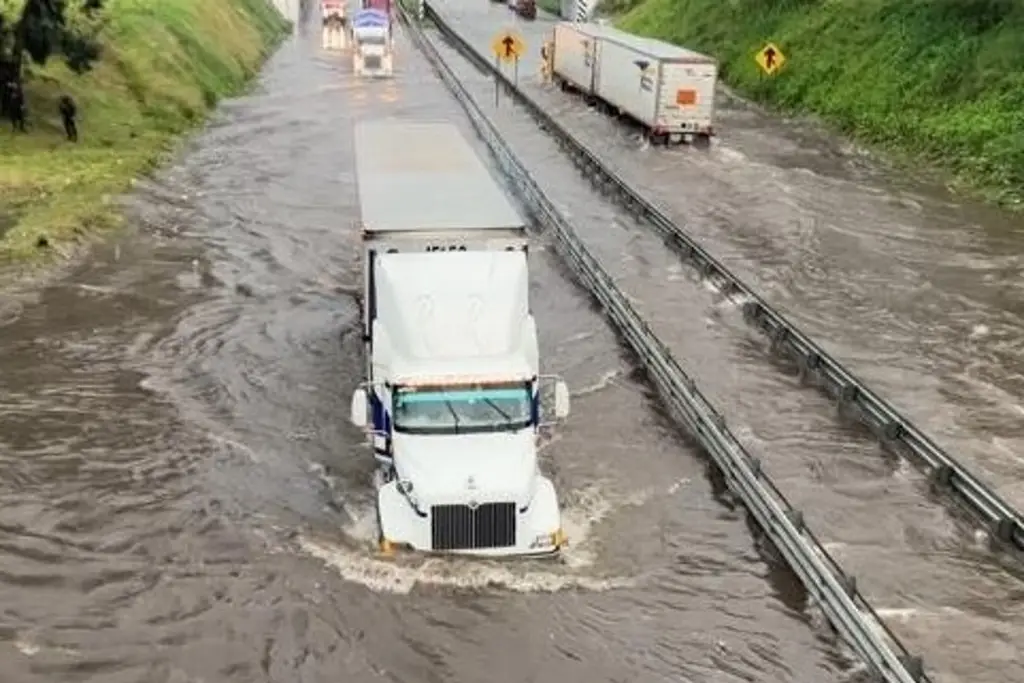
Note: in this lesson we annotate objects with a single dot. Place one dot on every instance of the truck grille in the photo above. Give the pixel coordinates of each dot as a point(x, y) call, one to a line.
point(458, 527)
point(371, 61)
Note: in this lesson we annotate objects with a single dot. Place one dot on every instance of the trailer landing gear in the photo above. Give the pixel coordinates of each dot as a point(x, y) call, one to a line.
point(698, 140)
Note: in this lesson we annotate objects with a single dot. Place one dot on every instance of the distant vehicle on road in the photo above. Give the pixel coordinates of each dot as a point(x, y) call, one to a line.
point(527, 9)
point(334, 19)
point(372, 46)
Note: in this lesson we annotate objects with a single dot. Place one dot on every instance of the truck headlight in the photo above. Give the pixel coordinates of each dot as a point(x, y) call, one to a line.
point(555, 538)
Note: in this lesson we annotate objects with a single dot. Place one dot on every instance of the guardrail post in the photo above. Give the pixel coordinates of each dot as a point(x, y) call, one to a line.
point(914, 666)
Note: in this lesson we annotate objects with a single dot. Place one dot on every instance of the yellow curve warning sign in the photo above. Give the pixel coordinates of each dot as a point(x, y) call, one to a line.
point(507, 46)
point(770, 59)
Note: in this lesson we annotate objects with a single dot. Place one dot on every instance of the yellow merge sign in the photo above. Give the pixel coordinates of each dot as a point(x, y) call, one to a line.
point(507, 46)
point(770, 59)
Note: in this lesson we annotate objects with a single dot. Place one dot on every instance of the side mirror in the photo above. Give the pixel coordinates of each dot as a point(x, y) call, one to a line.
point(358, 415)
point(561, 400)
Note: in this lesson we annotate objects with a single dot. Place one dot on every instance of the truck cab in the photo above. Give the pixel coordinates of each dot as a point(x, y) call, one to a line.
point(454, 406)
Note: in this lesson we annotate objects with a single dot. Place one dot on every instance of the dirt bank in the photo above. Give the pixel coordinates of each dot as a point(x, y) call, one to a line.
point(164, 66)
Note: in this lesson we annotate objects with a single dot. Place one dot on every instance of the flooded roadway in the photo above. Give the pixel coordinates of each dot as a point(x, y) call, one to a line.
point(928, 573)
point(181, 498)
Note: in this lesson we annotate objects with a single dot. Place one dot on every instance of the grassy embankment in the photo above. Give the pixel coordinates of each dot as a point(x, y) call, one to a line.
point(934, 80)
point(553, 7)
point(165, 63)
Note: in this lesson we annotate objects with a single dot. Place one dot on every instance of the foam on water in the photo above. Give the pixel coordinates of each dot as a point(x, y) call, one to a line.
point(606, 379)
point(400, 575)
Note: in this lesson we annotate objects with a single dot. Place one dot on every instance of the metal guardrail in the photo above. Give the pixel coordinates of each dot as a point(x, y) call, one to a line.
point(894, 431)
point(826, 583)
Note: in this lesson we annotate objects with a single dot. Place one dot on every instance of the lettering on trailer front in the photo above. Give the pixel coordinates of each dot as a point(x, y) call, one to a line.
point(446, 247)
point(405, 246)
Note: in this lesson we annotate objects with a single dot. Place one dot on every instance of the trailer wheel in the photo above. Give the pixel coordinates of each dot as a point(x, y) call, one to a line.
point(658, 139)
point(702, 141)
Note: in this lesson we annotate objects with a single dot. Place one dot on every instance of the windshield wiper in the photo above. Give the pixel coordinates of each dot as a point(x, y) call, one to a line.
point(491, 403)
point(455, 416)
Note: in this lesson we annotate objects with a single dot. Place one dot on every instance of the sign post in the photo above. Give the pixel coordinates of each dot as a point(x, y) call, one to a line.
point(507, 46)
point(547, 58)
point(770, 59)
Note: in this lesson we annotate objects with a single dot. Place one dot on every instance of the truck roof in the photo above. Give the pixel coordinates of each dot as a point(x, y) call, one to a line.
point(648, 46)
point(456, 312)
point(416, 176)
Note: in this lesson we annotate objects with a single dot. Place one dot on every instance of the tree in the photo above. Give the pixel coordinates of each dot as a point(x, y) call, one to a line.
point(41, 29)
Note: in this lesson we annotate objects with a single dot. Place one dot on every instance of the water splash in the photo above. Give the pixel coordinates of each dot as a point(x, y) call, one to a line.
point(352, 555)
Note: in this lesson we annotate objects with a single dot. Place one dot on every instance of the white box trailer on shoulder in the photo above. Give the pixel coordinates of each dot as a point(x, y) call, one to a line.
point(573, 63)
point(669, 90)
point(452, 397)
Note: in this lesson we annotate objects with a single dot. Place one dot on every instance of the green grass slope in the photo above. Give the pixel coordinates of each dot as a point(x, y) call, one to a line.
point(941, 80)
point(165, 64)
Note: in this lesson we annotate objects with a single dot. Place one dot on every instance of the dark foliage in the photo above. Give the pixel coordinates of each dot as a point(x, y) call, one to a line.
point(43, 30)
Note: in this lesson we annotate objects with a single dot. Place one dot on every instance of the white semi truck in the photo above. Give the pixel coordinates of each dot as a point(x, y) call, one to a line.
point(667, 89)
point(372, 44)
point(452, 400)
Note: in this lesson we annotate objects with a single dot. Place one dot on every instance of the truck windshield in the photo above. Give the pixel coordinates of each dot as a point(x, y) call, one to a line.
point(372, 40)
point(463, 409)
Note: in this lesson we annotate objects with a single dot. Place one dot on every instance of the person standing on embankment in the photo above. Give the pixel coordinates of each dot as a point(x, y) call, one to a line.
point(68, 113)
point(15, 101)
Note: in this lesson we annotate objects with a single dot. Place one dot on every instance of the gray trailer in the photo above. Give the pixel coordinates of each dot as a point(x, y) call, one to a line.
point(422, 187)
point(425, 177)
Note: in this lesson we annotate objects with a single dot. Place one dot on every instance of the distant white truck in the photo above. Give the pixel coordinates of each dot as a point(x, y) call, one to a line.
point(372, 44)
point(669, 90)
point(452, 399)
point(334, 18)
